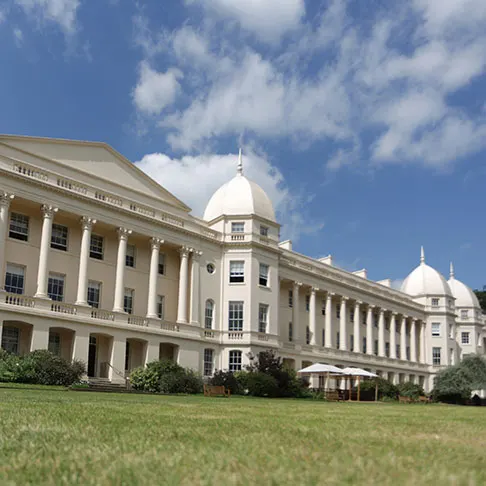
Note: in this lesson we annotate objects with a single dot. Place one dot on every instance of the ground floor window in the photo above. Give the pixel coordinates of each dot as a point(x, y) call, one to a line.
point(436, 356)
point(54, 345)
point(464, 338)
point(11, 339)
point(208, 362)
point(235, 360)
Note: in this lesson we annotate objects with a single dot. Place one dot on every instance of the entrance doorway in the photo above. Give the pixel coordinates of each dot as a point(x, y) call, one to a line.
point(92, 356)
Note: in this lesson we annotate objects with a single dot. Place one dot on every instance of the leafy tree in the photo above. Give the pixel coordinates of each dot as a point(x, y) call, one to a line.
point(227, 379)
point(475, 367)
point(412, 390)
point(481, 295)
point(262, 385)
point(452, 385)
point(386, 389)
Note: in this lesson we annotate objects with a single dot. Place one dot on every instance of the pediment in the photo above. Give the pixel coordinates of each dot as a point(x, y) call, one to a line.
point(97, 159)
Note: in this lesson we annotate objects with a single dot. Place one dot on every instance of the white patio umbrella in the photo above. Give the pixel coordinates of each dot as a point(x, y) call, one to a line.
point(358, 372)
point(322, 369)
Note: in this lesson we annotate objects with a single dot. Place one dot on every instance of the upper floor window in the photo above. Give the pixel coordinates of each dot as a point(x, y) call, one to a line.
point(397, 350)
point(436, 356)
point(376, 347)
point(323, 337)
point(55, 287)
point(160, 306)
point(351, 316)
point(59, 237)
point(235, 360)
point(291, 332)
point(96, 247)
point(465, 338)
point(435, 302)
point(263, 230)
point(263, 318)
point(263, 276)
point(14, 279)
point(161, 269)
point(351, 342)
point(338, 340)
point(94, 291)
point(130, 256)
point(323, 307)
point(235, 316)
point(375, 320)
point(364, 345)
point(237, 272)
point(464, 314)
point(128, 301)
point(291, 298)
point(19, 227)
point(387, 350)
point(208, 362)
point(209, 314)
point(307, 335)
point(338, 311)
point(363, 317)
point(436, 329)
point(237, 227)
point(307, 303)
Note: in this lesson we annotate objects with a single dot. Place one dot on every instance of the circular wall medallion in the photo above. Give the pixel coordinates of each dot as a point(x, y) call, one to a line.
point(210, 268)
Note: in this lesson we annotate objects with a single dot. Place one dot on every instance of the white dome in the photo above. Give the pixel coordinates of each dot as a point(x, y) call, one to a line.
point(425, 280)
point(464, 296)
point(239, 197)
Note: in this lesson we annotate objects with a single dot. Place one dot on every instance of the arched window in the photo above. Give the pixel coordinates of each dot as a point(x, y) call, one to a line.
point(209, 314)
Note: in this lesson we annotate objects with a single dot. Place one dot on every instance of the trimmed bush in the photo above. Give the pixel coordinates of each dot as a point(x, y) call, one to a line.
point(386, 389)
point(452, 385)
point(227, 379)
point(262, 385)
point(145, 379)
point(411, 390)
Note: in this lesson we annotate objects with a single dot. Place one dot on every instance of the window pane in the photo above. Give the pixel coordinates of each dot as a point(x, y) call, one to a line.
point(94, 291)
point(436, 329)
point(59, 237)
point(263, 318)
point(160, 306)
point(130, 256)
point(209, 314)
point(263, 277)
point(96, 247)
point(19, 227)
point(208, 362)
point(263, 230)
point(235, 360)
point(128, 301)
point(54, 345)
point(237, 272)
point(235, 316)
point(161, 264)
point(11, 339)
point(14, 279)
point(55, 287)
point(237, 227)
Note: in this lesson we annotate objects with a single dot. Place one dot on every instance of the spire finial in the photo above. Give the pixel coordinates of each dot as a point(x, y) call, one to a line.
point(239, 168)
point(451, 272)
point(422, 255)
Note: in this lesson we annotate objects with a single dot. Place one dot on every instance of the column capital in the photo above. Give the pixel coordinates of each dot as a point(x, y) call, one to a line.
point(381, 311)
point(5, 198)
point(371, 306)
point(48, 211)
point(298, 284)
point(393, 314)
point(330, 295)
point(344, 298)
point(155, 243)
point(87, 222)
point(196, 255)
point(184, 251)
point(314, 290)
point(123, 233)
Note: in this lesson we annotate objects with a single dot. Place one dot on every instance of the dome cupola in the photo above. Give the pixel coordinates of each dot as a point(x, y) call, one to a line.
point(464, 296)
point(240, 197)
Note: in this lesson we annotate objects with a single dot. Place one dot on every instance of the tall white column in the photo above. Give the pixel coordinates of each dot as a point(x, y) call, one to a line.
point(183, 277)
point(403, 338)
point(153, 277)
point(86, 226)
point(296, 311)
point(381, 333)
point(356, 325)
point(123, 235)
point(194, 308)
point(5, 199)
point(328, 321)
point(312, 316)
point(343, 334)
point(393, 336)
point(369, 330)
point(48, 215)
point(422, 341)
point(413, 342)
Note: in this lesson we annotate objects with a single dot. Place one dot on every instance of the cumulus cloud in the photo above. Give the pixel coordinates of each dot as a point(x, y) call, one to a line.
point(213, 170)
point(18, 36)
point(61, 12)
point(155, 91)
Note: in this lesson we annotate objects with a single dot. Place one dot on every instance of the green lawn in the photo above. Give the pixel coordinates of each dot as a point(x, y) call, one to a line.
point(60, 437)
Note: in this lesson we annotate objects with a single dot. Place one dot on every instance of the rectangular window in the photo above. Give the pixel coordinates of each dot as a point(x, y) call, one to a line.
point(323, 307)
point(263, 277)
point(54, 345)
point(375, 320)
point(263, 231)
point(338, 340)
point(237, 227)
point(55, 287)
point(59, 237)
point(351, 342)
point(436, 329)
point(291, 298)
point(464, 314)
point(376, 347)
point(398, 351)
point(364, 345)
point(209, 314)
point(435, 302)
point(307, 335)
point(363, 318)
point(262, 318)
point(237, 272)
point(291, 332)
point(338, 311)
point(14, 279)
point(323, 337)
point(351, 316)
point(387, 324)
point(160, 306)
point(161, 263)
point(208, 362)
point(307, 303)
point(235, 316)
point(235, 360)
point(19, 227)
point(464, 338)
point(128, 301)
point(387, 350)
point(94, 293)
point(407, 353)
point(11, 339)
point(96, 247)
point(436, 356)
point(130, 256)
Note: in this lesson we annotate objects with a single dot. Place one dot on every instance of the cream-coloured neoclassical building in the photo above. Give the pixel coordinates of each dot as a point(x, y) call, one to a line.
point(104, 265)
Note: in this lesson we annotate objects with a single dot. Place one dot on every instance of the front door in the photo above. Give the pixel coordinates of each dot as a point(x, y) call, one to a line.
point(92, 356)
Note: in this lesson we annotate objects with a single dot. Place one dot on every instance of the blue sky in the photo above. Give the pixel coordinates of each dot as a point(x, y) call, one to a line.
point(366, 124)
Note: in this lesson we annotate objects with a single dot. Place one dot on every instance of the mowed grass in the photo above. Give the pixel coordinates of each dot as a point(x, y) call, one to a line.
point(60, 437)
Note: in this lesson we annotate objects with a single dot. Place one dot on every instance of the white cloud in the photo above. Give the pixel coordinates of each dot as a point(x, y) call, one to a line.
point(213, 170)
point(267, 19)
point(3, 16)
point(18, 36)
point(155, 91)
point(61, 12)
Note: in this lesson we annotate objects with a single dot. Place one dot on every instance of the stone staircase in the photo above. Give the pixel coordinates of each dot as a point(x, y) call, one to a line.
point(103, 385)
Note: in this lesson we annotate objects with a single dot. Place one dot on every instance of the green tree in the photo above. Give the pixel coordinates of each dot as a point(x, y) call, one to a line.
point(475, 367)
point(452, 385)
point(481, 295)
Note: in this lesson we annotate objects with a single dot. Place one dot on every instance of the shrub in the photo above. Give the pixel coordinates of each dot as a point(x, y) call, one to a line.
point(228, 380)
point(452, 385)
point(411, 390)
point(185, 381)
point(242, 379)
point(386, 389)
point(475, 367)
point(145, 379)
point(262, 385)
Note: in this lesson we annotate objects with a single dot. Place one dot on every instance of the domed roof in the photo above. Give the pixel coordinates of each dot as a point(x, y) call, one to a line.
point(425, 280)
point(238, 197)
point(464, 296)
